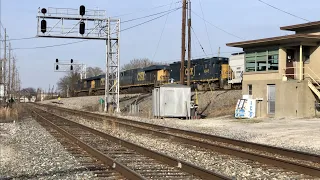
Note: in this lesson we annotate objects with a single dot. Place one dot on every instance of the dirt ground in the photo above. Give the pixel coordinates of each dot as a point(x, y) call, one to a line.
point(211, 104)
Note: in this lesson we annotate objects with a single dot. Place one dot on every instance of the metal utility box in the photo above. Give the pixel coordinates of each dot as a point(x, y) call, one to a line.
point(171, 100)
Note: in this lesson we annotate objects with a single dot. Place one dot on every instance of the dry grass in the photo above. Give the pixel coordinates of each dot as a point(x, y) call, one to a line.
point(11, 114)
point(8, 114)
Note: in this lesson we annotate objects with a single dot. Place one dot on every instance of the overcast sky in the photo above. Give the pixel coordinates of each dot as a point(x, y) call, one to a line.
point(247, 19)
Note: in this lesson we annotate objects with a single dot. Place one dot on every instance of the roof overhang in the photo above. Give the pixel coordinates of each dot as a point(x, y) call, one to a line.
point(302, 27)
point(280, 40)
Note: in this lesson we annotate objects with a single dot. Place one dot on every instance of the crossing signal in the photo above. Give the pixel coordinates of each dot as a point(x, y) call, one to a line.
point(43, 26)
point(82, 10)
point(82, 28)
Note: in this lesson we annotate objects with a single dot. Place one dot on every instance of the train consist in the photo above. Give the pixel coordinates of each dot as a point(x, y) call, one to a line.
point(205, 74)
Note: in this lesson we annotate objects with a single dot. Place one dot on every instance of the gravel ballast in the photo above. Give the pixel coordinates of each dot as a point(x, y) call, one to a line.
point(28, 151)
point(230, 166)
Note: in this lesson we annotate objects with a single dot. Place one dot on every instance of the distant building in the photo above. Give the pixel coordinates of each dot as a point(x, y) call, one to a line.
point(284, 71)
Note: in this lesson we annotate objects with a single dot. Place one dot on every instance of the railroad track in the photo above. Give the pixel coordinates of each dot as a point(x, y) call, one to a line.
point(129, 160)
point(301, 162)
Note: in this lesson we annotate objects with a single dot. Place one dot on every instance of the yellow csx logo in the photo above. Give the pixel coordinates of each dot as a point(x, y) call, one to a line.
point(186, 71)
point(141, 76)
point(206, 70)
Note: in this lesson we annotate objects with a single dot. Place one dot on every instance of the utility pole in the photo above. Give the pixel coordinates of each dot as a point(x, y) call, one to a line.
point(189, 43)
point(4, 64)
point(183, 40)
point(219, 52)
point(9, 74)
point(13, 80)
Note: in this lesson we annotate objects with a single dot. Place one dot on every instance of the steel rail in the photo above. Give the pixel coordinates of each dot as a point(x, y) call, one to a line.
point(97, 154)
point(185, 166)
point(271, 149)
point(305, 169)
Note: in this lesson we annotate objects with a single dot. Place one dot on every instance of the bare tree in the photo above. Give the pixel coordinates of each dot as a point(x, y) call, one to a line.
point(94, 71)
point(68, 83)
point(140, 63)
point(29, 92)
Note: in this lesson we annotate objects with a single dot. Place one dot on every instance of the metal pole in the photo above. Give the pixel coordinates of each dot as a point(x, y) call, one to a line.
point(118, 68)
point(301, 64)
point(189, 43)
point(183, 40)
point(4, 64)
point(9, 75)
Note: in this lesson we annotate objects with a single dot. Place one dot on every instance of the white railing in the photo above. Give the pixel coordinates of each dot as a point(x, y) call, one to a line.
point(304, 74)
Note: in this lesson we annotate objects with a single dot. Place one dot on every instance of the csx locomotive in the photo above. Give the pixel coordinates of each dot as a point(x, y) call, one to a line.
point(205, 74)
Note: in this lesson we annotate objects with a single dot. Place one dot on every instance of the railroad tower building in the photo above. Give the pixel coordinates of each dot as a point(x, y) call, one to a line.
point(284, 72)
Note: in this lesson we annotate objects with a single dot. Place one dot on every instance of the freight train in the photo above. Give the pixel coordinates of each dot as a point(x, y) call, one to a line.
point(205, 74)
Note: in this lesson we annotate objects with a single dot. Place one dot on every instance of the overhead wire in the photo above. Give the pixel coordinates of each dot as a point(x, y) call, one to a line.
point(156, 7)
point(231, 34)
point(198, 41)
point(148, 15)
point(165, 23)
point(64, 44)
point(283, 11)
point(205, 24)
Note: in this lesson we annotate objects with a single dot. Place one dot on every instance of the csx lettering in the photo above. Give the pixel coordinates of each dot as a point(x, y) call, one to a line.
point(140, 76)
point(186, 71)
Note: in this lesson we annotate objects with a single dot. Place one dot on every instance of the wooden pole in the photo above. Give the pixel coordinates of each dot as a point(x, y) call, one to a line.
point(183, 40)
point(189, 43)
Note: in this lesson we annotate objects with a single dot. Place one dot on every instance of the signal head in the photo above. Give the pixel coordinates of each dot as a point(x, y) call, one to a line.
point(43, 10)
point(71, 61)
point(57, 67)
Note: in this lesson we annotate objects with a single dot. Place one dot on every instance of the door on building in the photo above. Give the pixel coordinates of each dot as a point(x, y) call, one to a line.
point(289, 68)
point(271, 98)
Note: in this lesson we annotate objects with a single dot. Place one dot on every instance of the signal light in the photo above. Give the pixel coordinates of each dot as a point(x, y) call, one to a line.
point(82, 28)
point(57, 60)
point(57, 67)
point(71, 68)
point(43, 26)
point(71, 61)
point(82, 10)
point(43, 10)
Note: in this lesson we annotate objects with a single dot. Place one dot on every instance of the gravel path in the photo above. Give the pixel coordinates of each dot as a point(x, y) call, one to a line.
point(28, 151)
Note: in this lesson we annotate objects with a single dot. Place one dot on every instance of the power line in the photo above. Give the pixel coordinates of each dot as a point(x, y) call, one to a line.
point(165, 23)
point(149, 20)
point(172, 10)
point(205, 24)
point(218, 27)
point(156, 7)
point(283, 11)
point(149, 15)
point(198, 41)
point(57, 45)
